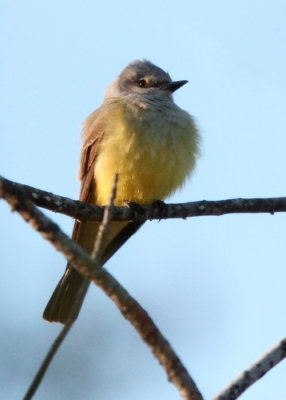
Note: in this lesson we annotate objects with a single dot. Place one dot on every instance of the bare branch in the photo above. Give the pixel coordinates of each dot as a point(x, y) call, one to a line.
point(59, 204)
point(83, 211)
point(254, 372)
point(128, 306)
point(104, 226)
point(48, 229)
point(50, 355)
point(103, 230)
point(133, 312)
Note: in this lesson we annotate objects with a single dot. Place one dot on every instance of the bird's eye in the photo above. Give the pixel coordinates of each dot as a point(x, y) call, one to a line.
point(142, 83)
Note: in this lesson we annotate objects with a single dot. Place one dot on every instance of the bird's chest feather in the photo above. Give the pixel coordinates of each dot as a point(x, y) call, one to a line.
point(152, 151)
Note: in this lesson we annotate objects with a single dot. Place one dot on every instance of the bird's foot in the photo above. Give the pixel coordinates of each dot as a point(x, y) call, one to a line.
point(161, 208)
point(134, 207)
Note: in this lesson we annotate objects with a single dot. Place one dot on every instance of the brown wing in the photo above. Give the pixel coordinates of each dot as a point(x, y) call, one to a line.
point(92, 134)
point(72, 287)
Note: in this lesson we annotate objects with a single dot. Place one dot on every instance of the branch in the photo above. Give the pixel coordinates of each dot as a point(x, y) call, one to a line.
point(47, 228)
point(103, 230)
point(254, 372)
point(104, 226)
point(83, 211)
point(128, 306)
point(47, 360)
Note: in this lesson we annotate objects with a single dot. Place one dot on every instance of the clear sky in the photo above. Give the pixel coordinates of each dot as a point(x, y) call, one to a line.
point(214, 285)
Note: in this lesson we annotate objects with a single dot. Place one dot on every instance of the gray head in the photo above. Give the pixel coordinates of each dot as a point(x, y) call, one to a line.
point(143, 77)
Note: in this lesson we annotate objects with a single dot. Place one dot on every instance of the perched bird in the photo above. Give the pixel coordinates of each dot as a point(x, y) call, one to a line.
point(141, 134)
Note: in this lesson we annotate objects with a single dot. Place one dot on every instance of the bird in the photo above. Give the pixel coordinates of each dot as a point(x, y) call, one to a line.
point(140, 134)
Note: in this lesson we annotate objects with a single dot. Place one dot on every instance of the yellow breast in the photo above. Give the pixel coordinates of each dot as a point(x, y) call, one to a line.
point(153, 149)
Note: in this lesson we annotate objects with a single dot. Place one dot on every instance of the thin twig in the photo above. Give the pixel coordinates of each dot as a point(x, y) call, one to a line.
point(53, 349)
point(128, 306)
point(254, 372)
point(103, 230)
point(83, 211)
point(104, 226)
point(50, 355)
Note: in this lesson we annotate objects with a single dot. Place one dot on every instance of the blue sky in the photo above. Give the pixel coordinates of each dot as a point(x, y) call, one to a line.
point(214, 285)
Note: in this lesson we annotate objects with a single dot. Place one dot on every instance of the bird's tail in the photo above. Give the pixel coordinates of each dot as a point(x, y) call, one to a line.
point(66, 301)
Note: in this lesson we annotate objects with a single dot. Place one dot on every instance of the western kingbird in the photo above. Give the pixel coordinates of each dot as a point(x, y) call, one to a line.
point(141, 134)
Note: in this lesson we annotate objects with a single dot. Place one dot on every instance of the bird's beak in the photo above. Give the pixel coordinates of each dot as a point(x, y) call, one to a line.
point(173, 86)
